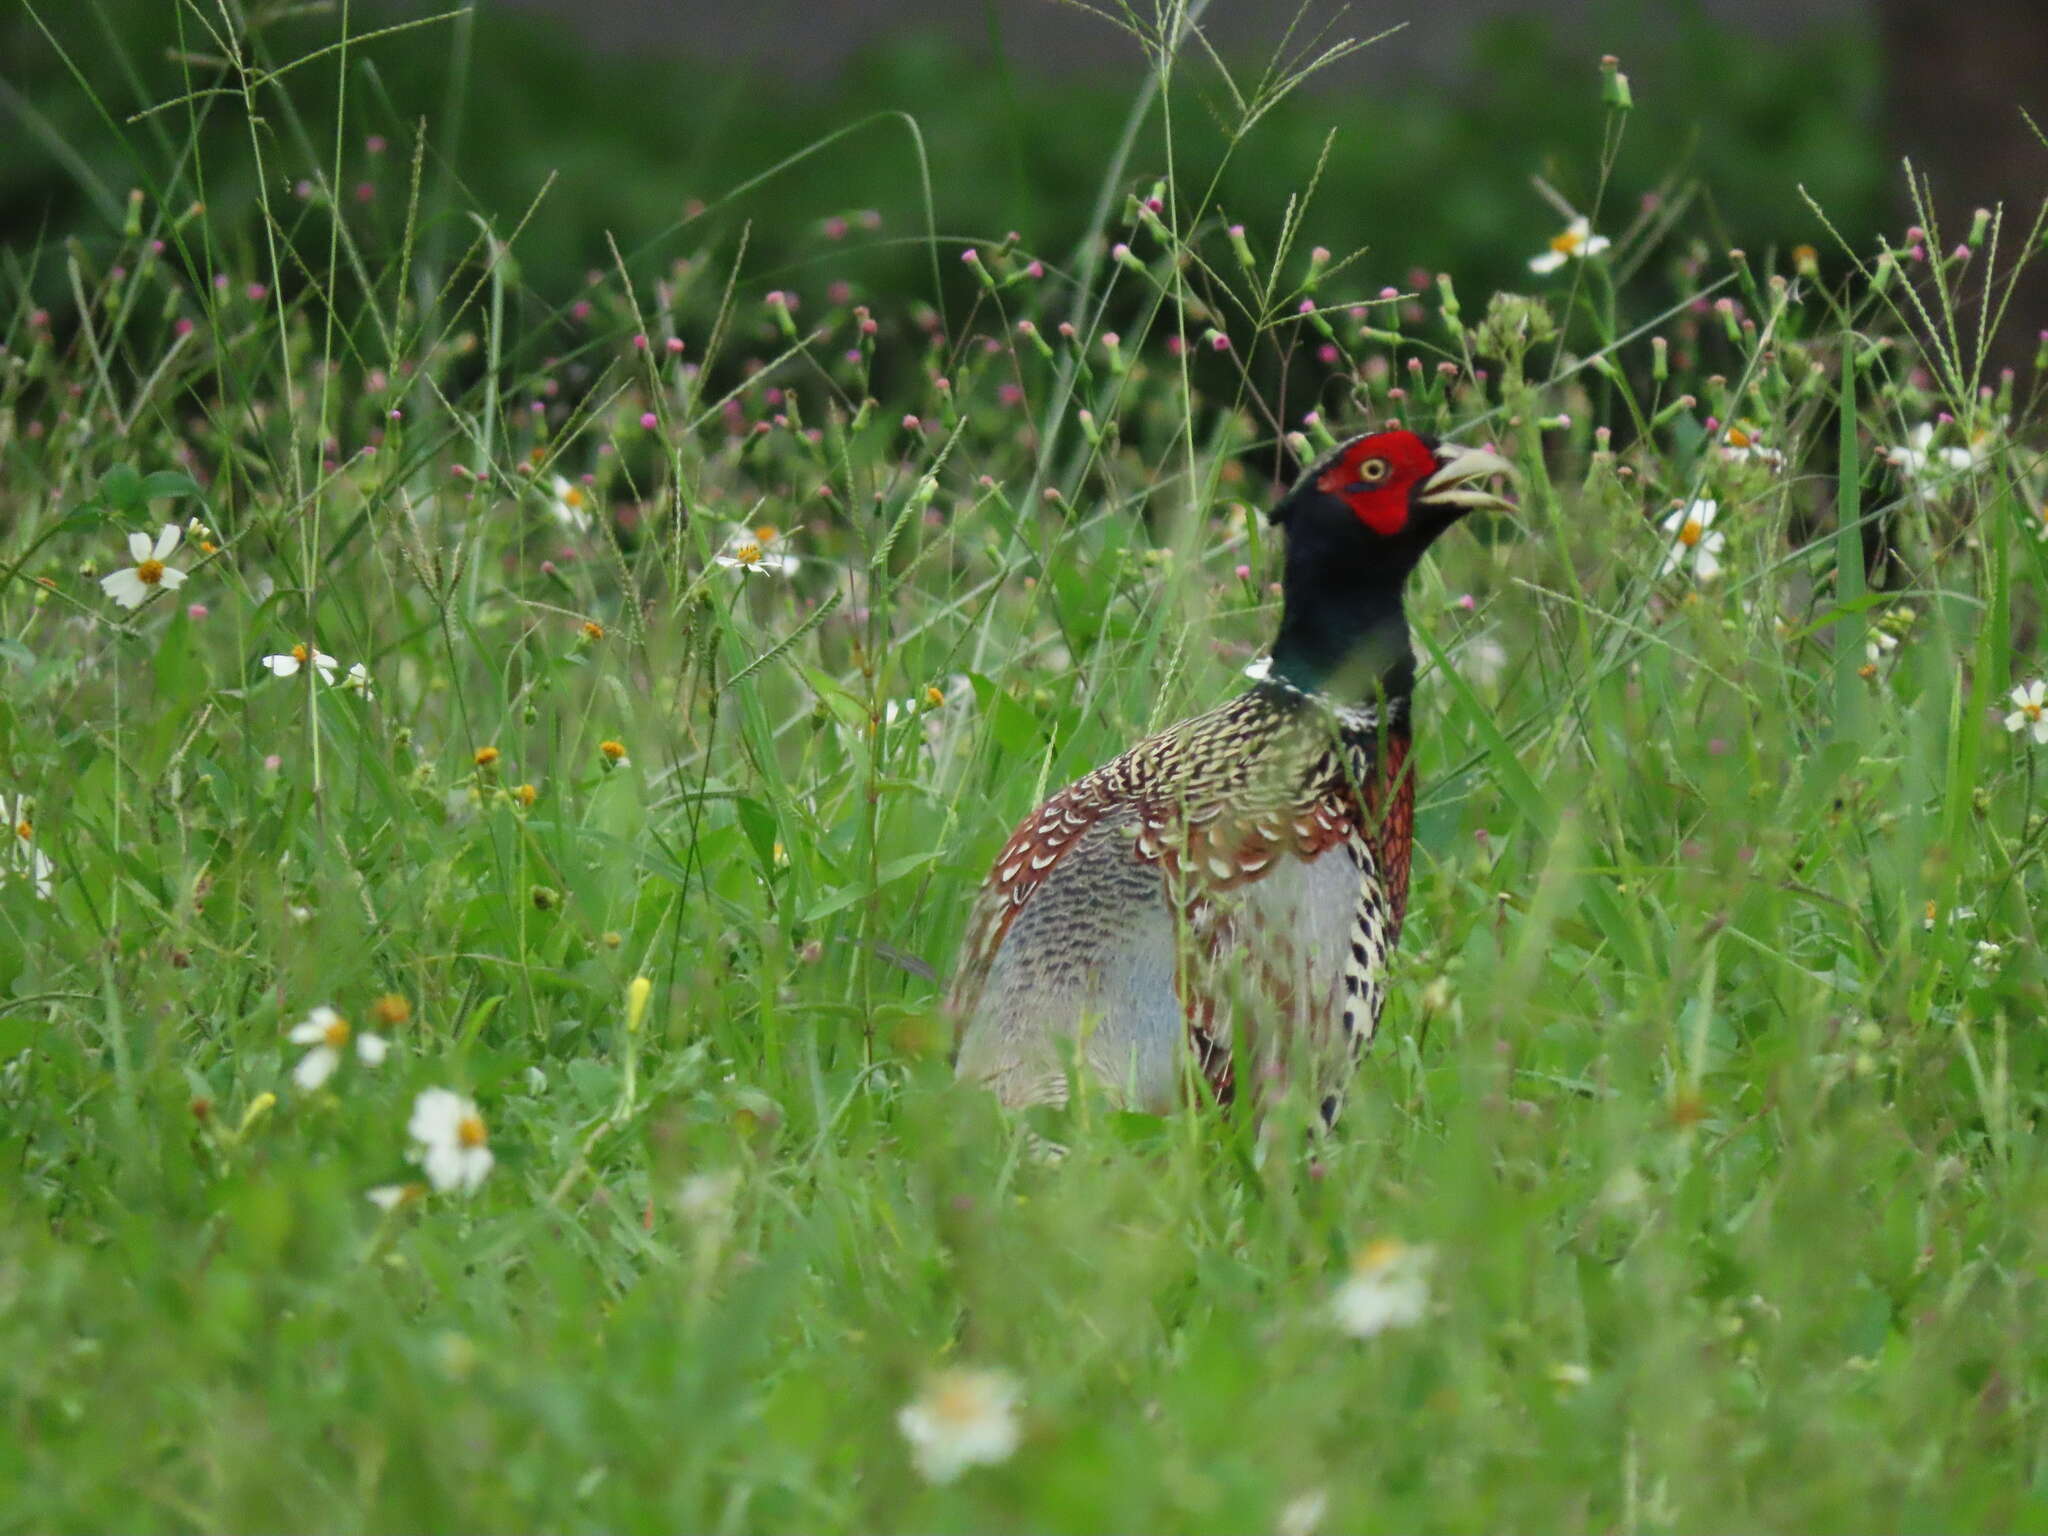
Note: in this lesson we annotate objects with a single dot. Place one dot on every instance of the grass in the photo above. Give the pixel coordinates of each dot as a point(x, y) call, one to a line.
point(1712, 1072)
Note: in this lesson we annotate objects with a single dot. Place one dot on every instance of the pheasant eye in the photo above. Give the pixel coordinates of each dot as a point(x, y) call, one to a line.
point(1373, 471)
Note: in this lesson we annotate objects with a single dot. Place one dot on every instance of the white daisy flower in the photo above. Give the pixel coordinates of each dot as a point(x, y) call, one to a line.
point(754, 551)
point(963, 1418)
point(19, 854)
point(131, 586)
point(1917, 453)
point(453, 1146)
point(1388, 1288)
point(1483, 659)
point(357, 680)
point(389, 1197)
point(1877, 650)
point(1303, 1514)
point(1572, 243)
point(1694, 540)
point(933, 697)
point(1742, 445)
point(570, 504)
point(2030, 710)
point(329, 1034)
point(288, 663)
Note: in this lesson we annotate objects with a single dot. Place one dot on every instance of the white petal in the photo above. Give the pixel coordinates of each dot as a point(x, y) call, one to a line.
point(1549, 261)
point(308, 1033)
point(444, 1166)
point(2041, 729)
point(1673, 521)
point(138, 547)
point(1704, 512)
point(1705, 564)
point(167, 541)
point(2015, 722)
point(372, 1048)
point(283, 666)
point(172, 579)
point(125, 588)
point(436, 1114)
point(388, 1197)
point(1594, 245)
point(316, 1067)
point(476, 1166)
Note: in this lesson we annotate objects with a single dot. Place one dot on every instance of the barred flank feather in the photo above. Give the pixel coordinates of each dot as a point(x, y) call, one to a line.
point(1207, 813)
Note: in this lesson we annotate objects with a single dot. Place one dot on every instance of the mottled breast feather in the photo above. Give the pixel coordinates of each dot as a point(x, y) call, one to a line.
point(1216, 804)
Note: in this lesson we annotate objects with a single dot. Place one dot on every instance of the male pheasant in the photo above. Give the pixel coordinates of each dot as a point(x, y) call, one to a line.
point(1224, 895)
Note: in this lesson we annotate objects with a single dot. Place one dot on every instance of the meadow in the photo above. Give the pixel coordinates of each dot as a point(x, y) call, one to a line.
point(495, 778)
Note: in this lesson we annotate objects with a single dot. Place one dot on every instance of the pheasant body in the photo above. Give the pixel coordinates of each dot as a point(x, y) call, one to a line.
point(1227, 892)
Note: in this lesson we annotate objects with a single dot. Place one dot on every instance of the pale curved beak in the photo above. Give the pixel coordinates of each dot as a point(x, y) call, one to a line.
point(1462, 481)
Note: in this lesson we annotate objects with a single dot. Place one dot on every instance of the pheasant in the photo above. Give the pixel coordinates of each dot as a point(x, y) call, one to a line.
point(1223, 897)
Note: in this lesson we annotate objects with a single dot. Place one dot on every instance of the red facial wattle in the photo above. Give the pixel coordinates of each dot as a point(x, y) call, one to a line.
point(1375, 476)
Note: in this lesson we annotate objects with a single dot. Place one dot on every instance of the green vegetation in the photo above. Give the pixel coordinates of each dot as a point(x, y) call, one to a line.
point(1705, 1107)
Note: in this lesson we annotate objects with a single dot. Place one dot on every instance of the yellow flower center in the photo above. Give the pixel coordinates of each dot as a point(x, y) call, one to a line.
point(1692, 532)
point(765, 533)
point(485, 756)
point(1377, 1255)
point(391, 1009)
point(1567, 242)
point(572, 497)
point(2031, 711)
point(934, 697)
point(469, 1132)
point(1932, 910)
point(526, 794)
point(959, 1403)
point(150, 572)
point(748, 554)
point(337, 1034)
point(24, 829)
point(592, 630)
point(612, 749)
point(299, 654)
point(1737, 438)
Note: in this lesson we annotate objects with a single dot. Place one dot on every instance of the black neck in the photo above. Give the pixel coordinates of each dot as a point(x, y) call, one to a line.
point(1343, 632)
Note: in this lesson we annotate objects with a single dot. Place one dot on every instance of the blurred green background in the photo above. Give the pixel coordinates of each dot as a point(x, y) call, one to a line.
point(1428, 167)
